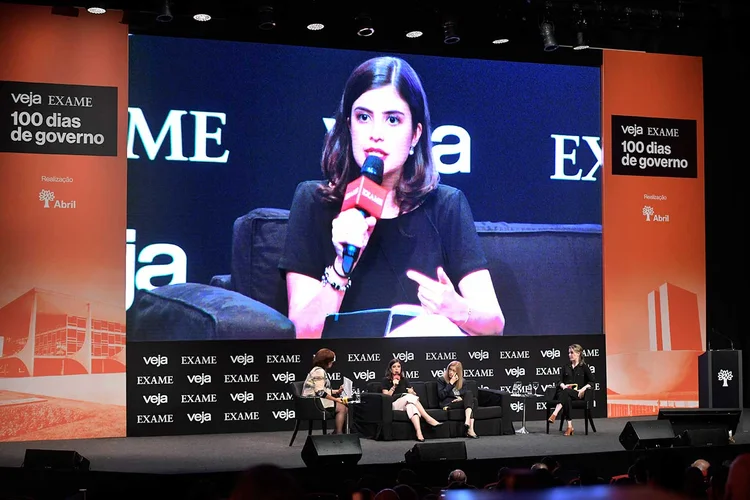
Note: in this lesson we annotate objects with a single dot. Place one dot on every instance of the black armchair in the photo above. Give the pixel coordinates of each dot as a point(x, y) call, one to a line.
point(585, 404)
point(309, 409)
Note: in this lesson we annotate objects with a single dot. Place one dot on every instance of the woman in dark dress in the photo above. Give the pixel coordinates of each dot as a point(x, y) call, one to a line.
point(453, 395)
point(404, 397)
point(575, 379)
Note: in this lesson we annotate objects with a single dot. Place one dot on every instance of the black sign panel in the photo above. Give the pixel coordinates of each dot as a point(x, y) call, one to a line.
point(654, 147)
point(243, 386)
point(47, 118)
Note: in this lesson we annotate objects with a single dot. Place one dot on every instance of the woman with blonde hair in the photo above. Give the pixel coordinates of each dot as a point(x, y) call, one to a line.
point(453, 395)
point(318, 384)
point(575, 379)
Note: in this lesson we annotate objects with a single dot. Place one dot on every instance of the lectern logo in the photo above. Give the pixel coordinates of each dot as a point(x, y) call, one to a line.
point(652, 216)
point(725, 376)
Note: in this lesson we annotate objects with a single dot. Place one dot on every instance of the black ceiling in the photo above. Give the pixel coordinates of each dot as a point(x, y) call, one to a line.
point(664, 26)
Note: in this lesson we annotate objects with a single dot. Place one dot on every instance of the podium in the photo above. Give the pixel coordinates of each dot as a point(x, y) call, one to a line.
point(720, 379)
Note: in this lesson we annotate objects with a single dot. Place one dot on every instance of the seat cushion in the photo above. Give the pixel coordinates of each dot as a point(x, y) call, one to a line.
point(193, 311)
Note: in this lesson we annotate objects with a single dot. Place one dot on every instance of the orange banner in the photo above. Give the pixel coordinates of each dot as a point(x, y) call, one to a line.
point(653, 221)
point(63, 198)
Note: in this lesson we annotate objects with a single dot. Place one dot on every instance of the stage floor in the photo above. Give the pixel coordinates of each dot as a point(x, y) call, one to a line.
point(235, 452)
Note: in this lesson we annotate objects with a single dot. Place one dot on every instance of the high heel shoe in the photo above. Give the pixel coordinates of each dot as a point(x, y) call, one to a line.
point(436, 424)
point(420, 440)
point(552, 418)
point(568, 432)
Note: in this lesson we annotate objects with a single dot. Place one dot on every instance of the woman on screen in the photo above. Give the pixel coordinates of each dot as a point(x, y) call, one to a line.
point(318, 384)
point(424, 250)
point(395, 384)
point(575, 379)
point(453, 395)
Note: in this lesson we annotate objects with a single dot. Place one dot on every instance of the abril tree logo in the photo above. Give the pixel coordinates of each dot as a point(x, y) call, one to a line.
point(47, 196)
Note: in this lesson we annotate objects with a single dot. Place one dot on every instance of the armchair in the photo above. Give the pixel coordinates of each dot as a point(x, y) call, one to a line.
point(585, 404)
point(309, 409)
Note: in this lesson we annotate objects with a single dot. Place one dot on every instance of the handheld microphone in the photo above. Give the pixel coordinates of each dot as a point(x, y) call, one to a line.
point(366, 195)
point(396, 377)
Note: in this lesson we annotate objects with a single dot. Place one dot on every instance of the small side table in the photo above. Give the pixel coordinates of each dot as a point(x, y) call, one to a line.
point(524, 399)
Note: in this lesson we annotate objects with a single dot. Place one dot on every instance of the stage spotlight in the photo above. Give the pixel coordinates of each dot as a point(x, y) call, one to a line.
point(316, 26)
point(450, 34)
point(202, 17)
point(414, 33)
point(364, 25)
point(265, 18)
point(97, 9)
point(165, 14)
point(547, 30)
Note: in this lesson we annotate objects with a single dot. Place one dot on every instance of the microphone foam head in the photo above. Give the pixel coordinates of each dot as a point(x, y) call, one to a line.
point(372, 168)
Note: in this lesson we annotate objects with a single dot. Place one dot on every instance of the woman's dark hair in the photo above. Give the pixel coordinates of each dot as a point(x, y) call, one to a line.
point(323, 357)
point(392, 362)
point(339, 168)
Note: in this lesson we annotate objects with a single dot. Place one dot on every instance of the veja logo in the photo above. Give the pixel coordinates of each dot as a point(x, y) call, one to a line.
point(516, 406)
point(157, 360)
point(515, 372)
point(652, 216)
point(283, 414)
point(404, 357)
point(47, 196)
point(592, 368)
point(242, 359)
point(437, 373)
point(201, 379)
point(544, 387)
point(176, 268)
point(479, 355)
point(200, 418)
point(725, 376)
point(365, 375)
point(156, 399)
point(550, 353)
point(284, 377)
point(242, 397)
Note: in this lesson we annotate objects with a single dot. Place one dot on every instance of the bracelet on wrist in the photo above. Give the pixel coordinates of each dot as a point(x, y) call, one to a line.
point(326, 280)
point(338, 273)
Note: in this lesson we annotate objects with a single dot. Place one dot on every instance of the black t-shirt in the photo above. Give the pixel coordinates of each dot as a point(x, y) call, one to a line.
point(440, 232)
point(403, 384)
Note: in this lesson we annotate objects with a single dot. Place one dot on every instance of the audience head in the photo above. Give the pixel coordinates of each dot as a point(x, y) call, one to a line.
point(266, 482)
point(738, 479)
point(386, 494)
point(539, 465)
point(406, 492)
point(457, 476)
point(324, 358)
point(693, 484)
point(702, 465)
point(407, 476)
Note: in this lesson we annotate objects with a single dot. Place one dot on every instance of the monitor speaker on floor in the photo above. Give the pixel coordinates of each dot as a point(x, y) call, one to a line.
point(57, 460)
point(332, 450)
point(646, 434)
point(431, 452)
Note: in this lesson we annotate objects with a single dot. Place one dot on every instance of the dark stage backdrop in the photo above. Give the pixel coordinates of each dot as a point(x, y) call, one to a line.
point(243, 386)
point(219, 128)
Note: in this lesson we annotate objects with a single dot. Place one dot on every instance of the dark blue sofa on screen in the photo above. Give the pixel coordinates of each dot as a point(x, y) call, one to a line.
point(548, 279)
